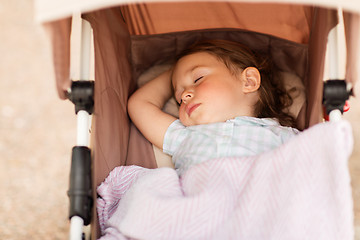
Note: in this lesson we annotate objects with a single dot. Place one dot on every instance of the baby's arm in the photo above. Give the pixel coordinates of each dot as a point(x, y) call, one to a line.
point(145, 106)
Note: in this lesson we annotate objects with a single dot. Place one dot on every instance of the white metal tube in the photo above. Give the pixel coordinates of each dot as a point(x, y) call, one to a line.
point(336, 58)
point(76, 228)
point(336, 54)
point(85, 55)
point(83, 117)
point(83, 128)
point(333, 54)
point(335, 115)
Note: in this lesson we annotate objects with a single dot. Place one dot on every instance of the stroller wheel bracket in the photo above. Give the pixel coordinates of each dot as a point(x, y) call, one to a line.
point(335, 95)
point(81, 94)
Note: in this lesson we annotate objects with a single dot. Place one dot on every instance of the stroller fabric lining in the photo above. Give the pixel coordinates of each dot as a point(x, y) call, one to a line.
point(159, 49)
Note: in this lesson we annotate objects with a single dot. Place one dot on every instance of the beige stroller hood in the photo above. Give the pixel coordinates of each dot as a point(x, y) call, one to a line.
point(49, 10)
point(130, 38)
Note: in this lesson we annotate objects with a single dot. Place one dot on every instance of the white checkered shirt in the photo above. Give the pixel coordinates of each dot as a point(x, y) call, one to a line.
point(242, 136)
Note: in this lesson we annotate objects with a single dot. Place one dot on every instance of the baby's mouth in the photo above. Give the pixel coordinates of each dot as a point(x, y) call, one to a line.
point(191, 108)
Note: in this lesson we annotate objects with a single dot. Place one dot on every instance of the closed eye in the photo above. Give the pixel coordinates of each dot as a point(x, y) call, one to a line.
point(196, 80)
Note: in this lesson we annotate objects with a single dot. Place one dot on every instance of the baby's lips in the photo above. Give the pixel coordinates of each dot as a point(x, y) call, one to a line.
point(191, 107)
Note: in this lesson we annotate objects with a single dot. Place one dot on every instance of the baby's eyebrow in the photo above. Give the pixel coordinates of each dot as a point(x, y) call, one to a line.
point(195, 67)
point(199, 66)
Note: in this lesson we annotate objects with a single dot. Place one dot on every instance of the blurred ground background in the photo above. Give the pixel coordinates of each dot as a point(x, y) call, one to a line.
point(37, 132)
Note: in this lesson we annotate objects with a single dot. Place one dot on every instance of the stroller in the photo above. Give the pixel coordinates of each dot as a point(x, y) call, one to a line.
point(129, 39)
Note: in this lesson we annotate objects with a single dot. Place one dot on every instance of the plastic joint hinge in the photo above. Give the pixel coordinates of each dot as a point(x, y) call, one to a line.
point(82, 95)
point(335, 95)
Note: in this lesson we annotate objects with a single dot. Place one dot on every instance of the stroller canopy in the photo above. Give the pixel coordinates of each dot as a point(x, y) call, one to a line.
point(49, 10)
point(287, 19)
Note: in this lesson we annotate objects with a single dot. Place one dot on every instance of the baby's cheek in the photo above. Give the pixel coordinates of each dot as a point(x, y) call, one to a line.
point(183, 117)
point(181, 112)
point(208, 90)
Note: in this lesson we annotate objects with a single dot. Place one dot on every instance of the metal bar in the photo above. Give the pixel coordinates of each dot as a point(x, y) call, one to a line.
point(335, 115)
point(83, 135)
point(76, 226)
point(333, 45)
point(85, 55)
point(83, 117)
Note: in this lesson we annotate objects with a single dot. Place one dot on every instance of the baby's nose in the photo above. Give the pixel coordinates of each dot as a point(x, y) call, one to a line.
point(187, 96)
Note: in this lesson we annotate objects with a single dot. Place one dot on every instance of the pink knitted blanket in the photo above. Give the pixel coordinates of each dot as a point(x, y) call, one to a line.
point(300, 190)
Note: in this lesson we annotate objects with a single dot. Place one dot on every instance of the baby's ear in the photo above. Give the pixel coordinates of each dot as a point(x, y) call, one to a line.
point(252, 79)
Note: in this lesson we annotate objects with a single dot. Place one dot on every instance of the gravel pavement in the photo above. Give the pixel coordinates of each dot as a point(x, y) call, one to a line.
point(37, 132)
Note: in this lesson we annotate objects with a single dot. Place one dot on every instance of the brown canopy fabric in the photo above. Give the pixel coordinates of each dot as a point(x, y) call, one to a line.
point(59, 32)
point(292, 22)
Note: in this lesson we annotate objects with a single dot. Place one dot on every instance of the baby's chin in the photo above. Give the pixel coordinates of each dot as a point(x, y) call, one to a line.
point(187, 123)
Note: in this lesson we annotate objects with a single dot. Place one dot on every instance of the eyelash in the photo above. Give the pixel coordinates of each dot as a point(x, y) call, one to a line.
point(198, 79)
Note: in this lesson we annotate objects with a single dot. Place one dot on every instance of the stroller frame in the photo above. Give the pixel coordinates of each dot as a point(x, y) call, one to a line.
point(81, 95)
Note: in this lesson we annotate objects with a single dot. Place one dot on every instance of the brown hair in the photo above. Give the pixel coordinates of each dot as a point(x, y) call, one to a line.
point(274, 100)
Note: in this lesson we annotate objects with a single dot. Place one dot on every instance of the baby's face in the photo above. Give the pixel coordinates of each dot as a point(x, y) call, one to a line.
point(207, 91)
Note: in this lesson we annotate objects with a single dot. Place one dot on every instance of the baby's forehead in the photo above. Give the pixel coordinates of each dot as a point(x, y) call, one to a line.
point(192, 61)
point(198, 60)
